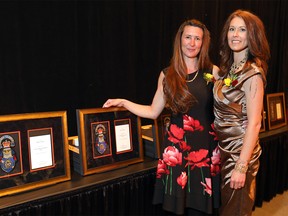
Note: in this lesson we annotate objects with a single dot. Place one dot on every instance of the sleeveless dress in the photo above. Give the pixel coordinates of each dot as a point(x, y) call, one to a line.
point(230, 125)
point(188, 173)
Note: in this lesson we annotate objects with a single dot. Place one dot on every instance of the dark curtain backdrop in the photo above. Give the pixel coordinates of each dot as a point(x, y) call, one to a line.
point(65, 55)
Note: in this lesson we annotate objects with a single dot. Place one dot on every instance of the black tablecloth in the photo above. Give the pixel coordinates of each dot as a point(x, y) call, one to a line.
point(129, 191)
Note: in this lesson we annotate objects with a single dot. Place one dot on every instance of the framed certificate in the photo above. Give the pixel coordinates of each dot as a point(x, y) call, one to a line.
point(276, 110)
point(33, 151)
point(109, 138)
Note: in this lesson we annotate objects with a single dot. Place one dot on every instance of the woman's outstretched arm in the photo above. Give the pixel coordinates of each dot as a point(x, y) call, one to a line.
point(145, 111)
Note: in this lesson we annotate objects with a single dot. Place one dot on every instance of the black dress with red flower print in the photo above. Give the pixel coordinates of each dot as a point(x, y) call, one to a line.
point(188, 173)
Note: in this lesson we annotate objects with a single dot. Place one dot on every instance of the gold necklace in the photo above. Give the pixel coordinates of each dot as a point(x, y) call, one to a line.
point(193, 77)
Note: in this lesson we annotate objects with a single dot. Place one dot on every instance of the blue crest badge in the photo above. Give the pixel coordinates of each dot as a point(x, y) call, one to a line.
point(7, 164)
point(101, 144)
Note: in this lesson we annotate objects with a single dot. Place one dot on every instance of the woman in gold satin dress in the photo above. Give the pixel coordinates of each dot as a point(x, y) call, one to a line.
point(238, 101)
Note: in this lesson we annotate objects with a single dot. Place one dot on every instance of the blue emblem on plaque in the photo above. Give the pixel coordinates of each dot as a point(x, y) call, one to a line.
point(101, 144)
point(7, 154)
point(101, 147)
point(8, 164)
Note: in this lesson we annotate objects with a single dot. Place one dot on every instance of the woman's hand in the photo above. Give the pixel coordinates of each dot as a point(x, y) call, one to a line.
point(151, 111)
point(237, 180)
point(238, 176)
point(113, 102)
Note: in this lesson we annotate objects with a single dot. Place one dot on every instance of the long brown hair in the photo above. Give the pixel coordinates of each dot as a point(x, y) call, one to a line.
point(258, 46)
point(177, 95)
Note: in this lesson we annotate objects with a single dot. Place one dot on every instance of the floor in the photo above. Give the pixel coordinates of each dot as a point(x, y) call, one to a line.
point(278, 206)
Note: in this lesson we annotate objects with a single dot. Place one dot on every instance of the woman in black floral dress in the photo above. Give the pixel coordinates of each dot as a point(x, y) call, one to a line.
point(188, 179)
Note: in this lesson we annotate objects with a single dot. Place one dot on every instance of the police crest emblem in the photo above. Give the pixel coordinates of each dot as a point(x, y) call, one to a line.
point(8, 157)
point(101, 144)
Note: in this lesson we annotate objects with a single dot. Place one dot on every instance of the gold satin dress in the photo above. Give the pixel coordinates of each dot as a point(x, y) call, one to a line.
point(230, 125)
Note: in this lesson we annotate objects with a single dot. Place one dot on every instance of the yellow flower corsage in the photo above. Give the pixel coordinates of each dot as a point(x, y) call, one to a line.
point(232, 81)
point(209, 77)
point(227, 82)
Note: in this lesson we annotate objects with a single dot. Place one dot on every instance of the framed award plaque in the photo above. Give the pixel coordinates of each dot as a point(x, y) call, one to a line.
point(33, 151)
point(276, 110)
point(109, 138)
point(162, 124)
point(263, 126)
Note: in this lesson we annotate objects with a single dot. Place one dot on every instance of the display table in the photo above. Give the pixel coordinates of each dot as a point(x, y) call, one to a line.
point(129, 190)
point(272, 178)
point(123, 191)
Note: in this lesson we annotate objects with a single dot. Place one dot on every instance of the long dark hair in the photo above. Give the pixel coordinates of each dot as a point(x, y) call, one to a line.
point(258, 46)
point(178, 97)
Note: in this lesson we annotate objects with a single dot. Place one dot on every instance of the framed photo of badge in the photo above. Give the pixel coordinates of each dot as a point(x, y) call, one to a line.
point(109, 138)
point(276, 110)
point(162, 124)
point(33, 151)
point(263, 115)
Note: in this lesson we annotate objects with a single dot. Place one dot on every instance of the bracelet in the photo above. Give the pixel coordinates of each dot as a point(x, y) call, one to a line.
point(241, 167)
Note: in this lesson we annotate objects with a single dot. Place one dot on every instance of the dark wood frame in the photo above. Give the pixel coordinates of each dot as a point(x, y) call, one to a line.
point(276, 110)
point(32, 179)
point(107, 134)
point(89, 165)
point(16, 151)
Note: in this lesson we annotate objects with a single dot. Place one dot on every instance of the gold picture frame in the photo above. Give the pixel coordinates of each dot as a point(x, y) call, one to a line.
point(109, 138)
point(276, 110)
point(34, 151)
